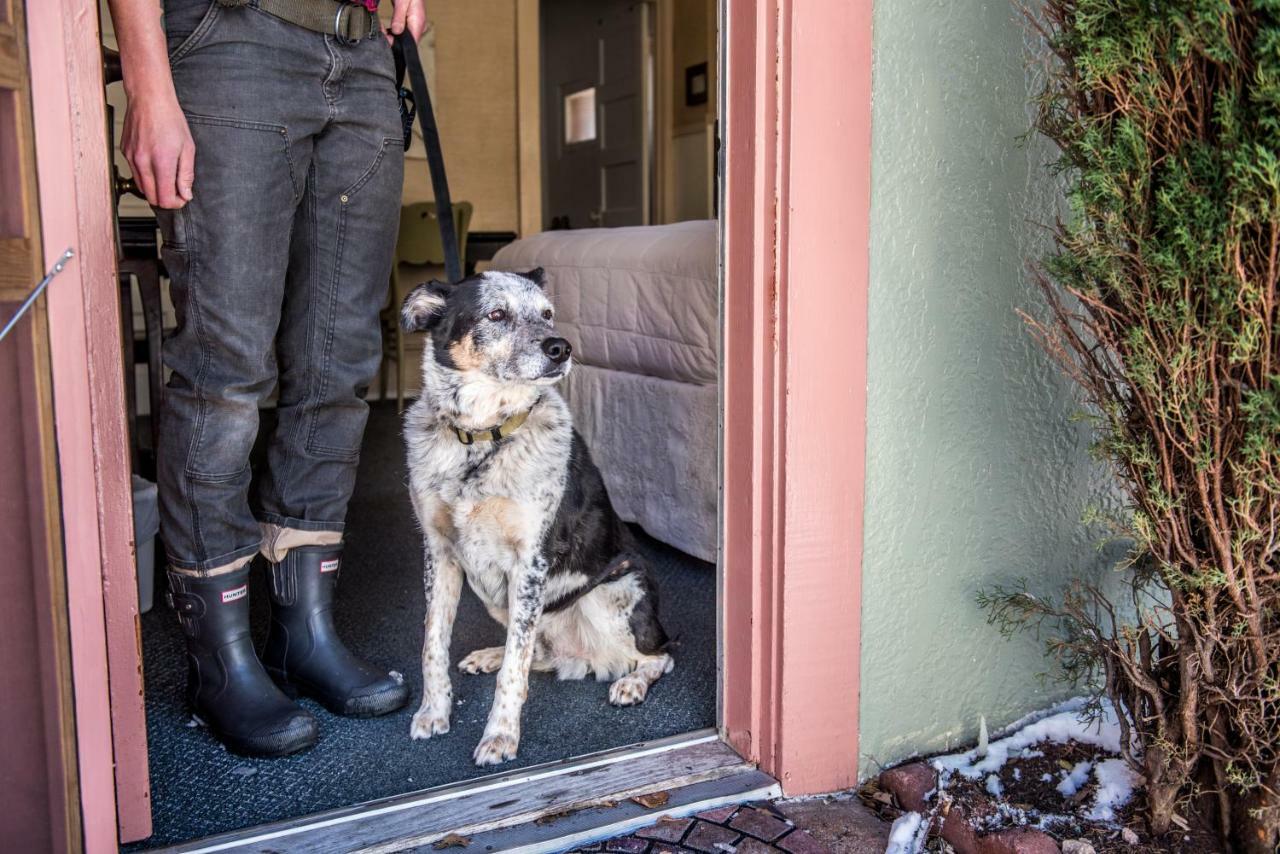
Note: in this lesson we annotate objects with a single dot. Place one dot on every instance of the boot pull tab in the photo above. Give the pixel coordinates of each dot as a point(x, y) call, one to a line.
point(186, 604)
point(283, 581)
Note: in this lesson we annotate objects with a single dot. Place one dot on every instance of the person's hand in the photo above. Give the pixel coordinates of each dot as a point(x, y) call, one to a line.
point(158, 145)
point(410, 15)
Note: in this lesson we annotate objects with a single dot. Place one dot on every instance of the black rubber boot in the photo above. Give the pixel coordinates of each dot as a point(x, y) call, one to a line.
point(304, 654)
point(226, 686)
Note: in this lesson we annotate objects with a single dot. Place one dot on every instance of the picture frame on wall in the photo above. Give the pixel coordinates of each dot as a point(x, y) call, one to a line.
point(696, 84)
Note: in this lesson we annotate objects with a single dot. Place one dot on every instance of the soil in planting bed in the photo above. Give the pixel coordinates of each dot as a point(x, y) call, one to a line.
point(1029, 797)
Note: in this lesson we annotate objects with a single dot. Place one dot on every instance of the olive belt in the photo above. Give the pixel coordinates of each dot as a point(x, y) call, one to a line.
point(345, 21)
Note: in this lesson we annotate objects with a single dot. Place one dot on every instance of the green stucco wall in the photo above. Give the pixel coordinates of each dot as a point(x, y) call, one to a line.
point(975, 472)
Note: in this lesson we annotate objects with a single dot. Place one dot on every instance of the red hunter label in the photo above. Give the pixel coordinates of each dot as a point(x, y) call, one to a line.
point(235, 593)
point(330, 565)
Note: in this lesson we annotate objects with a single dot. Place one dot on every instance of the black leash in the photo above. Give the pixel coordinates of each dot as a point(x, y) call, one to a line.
point(405, 51)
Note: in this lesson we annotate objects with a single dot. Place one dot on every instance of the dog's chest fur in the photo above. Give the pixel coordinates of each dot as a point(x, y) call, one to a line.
point(491, 502)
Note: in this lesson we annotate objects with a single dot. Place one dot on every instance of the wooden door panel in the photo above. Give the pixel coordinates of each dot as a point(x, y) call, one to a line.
point(37, 752)
point(595, 46)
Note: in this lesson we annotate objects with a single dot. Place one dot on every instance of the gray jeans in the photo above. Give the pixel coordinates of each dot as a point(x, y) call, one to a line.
point(279, 267)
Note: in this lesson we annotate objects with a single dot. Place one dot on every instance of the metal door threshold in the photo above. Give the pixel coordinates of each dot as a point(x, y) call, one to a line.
point(549, 807)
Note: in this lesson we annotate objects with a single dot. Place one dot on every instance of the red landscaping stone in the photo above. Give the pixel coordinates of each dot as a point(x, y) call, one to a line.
point(961, 836)
point(909, 784)
point(799, 842)
point(667, 830)
point(720, 815)
point(958, 832)
point(705, 836)
point(627, 845)
point(1023, 840)
point(759, 824)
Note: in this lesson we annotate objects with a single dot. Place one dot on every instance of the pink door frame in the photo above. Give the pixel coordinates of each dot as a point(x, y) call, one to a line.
point(92, 439)
point(797, 178)
point(797, 125)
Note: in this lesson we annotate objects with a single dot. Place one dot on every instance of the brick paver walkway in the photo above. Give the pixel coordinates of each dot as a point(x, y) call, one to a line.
point(746, 829)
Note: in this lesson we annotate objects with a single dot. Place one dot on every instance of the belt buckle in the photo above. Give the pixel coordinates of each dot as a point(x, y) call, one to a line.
point(343, 33)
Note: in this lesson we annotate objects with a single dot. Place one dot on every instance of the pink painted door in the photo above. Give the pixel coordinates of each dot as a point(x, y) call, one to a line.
point(37, 756)
point(72, 169)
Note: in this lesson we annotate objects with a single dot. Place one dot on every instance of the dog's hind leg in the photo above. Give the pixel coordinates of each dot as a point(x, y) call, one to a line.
point(489, 659)
point(486, 660)
point(442, 579)
point(631, 689)
point(651, 643)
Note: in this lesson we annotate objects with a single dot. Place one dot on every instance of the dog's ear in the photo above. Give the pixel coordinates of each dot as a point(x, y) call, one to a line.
point(538, 276)
point(424, 306)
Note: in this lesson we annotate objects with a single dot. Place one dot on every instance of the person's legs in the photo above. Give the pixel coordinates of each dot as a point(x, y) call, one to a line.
point(329, 349)
point(243, 90)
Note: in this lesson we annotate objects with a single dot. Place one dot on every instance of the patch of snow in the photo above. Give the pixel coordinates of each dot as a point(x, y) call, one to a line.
point(1075, 704)
point(397, 676)
point(908, 834)
point(1103, 732)
point(1072, 780)
point(1007, 815)
point(1116, 782)
point(1017, 773)
point(1053, 821)
point(1031, 754)
point(1046, 778)
point(993, 785)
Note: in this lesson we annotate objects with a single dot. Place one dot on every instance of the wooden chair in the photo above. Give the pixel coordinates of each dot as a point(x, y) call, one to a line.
point(419, 258)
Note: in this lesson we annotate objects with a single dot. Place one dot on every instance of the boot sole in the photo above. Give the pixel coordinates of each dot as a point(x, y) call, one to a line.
point(264, 747)
point(391, 699)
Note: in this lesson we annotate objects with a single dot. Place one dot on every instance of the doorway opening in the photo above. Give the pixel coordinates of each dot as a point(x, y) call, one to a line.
point(590, 150)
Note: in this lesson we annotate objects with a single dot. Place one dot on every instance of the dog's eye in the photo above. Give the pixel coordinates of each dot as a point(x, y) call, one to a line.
point(497, 315)
point(546, 314)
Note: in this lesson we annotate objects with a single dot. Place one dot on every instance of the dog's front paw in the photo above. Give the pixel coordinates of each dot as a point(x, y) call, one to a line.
point(628, 691)
point(483, 660)
point(428, 721)
point(497, 748)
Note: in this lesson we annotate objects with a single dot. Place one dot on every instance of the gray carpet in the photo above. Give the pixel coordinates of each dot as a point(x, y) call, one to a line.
point(198, 788)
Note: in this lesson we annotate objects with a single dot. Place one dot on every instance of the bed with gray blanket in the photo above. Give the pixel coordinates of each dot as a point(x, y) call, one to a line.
point(641, 308)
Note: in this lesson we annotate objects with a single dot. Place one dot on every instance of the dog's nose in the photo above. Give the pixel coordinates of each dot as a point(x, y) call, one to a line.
point(557, 349)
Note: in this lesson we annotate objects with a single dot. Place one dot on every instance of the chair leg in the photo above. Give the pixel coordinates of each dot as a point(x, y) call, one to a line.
point(400, 371)
point(153, 315)
point(382, 370)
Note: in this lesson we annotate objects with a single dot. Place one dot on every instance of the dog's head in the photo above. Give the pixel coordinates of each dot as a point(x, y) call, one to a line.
point(500, 325)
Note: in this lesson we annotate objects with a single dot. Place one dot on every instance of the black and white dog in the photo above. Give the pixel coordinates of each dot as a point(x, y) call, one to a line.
point(508, 496)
